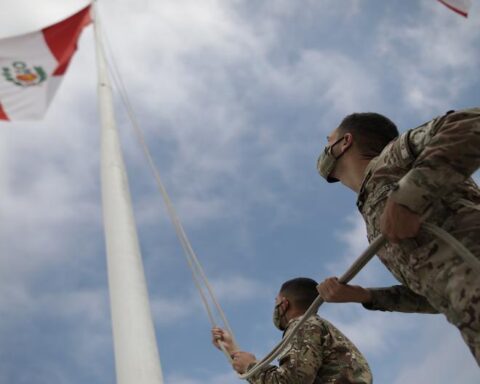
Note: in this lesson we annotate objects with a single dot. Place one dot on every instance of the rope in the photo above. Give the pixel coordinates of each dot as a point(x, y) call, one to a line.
point(199, 277)
point(198, 273)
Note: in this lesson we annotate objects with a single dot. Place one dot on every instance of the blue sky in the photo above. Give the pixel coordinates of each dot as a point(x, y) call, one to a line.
point(236, 98)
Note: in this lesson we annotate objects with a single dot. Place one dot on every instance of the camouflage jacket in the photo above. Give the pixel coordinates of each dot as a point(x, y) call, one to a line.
point(428, 168)
point(318, 354)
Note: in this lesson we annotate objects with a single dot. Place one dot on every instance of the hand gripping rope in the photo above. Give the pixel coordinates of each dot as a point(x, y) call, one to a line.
point(200, 279)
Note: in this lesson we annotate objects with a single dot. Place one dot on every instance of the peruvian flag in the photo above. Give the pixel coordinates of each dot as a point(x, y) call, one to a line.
point(32, 67)
point(460, 6)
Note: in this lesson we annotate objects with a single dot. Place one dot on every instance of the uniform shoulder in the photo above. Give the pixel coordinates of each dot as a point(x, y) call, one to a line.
point(318, 323)
point(314, 324)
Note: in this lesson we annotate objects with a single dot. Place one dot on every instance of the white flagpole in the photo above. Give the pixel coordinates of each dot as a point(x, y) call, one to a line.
point(137, 359)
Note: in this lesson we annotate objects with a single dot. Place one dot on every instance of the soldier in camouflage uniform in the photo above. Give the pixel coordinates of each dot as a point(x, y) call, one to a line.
point(318, 354)
point(425, 171)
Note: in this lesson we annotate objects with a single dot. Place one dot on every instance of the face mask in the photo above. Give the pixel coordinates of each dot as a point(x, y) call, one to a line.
point(327, 161)
point(277, 317)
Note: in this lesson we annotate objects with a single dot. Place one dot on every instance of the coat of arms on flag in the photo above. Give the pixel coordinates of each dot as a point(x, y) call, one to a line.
point(32, 66)
point(19, 73)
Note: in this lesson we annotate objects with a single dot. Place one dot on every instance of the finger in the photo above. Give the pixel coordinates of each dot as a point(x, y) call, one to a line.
point(321, 289)
point(333, 285)
point(326, 294)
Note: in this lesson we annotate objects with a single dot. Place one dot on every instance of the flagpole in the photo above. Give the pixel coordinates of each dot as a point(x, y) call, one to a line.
point(137, 359)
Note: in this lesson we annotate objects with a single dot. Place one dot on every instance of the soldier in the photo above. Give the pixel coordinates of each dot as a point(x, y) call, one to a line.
point(318, 353)
point(425, 171)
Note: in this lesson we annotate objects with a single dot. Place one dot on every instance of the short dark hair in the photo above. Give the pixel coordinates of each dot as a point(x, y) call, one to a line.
point(371, 131)
point(301, 291)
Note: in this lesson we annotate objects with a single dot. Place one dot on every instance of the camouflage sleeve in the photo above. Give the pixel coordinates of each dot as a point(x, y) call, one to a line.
point(398, 299)
point(300, 363)
point(447, 153)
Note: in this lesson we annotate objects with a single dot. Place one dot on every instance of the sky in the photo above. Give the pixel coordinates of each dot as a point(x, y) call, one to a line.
point(236, 99)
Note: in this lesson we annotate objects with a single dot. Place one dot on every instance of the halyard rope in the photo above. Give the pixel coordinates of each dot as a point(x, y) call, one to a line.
point(198, 273)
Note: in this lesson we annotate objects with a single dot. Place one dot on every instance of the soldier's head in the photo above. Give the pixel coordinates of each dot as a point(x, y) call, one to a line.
point(364, 135)
point(293, 299)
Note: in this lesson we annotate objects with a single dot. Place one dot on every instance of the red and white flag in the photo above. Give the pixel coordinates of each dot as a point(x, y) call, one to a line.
point(460, 6)
point(32, 67)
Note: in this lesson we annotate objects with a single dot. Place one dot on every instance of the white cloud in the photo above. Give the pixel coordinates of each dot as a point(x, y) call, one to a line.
point(433, 58)
point(353, 236)
point(16, 21)
point(234, 289)
point(239, 288)
point(369, 331)
point(446, 359)
point(206, 81)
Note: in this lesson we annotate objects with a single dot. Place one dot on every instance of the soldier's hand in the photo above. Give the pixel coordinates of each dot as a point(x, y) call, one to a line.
point(241, 361)
point(398, 222)
point(219, 335)
point(332, 291)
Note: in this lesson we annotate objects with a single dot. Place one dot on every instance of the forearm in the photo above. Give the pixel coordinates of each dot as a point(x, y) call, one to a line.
point(398, 299)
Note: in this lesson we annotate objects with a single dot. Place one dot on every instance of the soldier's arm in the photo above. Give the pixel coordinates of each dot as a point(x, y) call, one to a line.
point(447, 153)
point(398, 299)
point(300, 364)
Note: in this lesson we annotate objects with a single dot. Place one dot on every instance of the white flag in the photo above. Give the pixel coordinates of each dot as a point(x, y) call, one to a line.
point(32, 66)
point(460, 6)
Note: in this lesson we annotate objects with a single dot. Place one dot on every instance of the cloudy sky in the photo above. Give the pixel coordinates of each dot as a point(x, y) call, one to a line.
point(236, 98)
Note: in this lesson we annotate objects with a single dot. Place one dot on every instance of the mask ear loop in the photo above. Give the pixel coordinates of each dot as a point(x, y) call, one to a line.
point(330, 148)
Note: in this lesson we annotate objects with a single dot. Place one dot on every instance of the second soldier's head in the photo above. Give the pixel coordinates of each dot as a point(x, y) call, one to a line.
point(293, 299)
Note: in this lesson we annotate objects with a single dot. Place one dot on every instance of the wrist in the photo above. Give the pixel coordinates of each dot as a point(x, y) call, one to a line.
point(364, 296)
point(232, 350)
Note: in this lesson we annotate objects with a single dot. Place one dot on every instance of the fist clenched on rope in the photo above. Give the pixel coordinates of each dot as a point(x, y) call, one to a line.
point(219, 335)
point(240, 360)
point(332, 291)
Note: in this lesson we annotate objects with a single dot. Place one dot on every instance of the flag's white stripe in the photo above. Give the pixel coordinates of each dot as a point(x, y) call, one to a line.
point(22, 103)
point(53, 84)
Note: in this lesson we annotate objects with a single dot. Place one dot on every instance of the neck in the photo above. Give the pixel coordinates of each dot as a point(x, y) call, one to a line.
point(354, 173)
point(294, 314)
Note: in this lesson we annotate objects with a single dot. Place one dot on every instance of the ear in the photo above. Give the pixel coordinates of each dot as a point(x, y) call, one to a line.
point(347, 141)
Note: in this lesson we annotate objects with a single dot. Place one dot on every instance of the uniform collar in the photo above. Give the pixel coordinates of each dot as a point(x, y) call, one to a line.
point(366, 178)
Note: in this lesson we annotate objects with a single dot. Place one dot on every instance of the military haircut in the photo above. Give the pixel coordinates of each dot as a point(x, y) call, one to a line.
point(371, 132)
point(301, 291)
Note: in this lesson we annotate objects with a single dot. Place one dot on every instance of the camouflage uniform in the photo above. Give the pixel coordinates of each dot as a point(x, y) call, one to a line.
point(318, 354)
point(428, 169)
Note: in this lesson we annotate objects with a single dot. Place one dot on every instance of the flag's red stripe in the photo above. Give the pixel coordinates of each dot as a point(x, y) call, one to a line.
point(3, 115)
point(62, 38)
point(460, 12)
